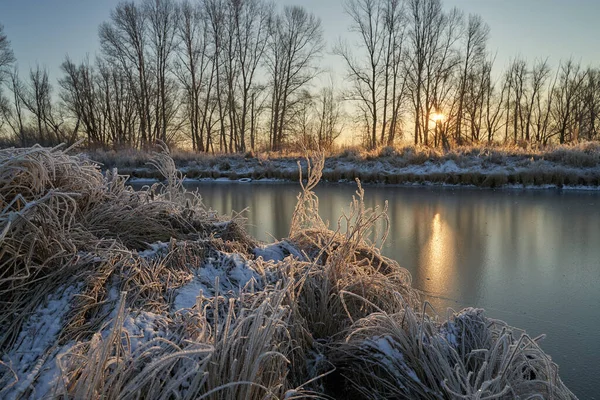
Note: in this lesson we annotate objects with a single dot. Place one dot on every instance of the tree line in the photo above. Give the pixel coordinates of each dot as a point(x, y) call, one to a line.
point(234, 75)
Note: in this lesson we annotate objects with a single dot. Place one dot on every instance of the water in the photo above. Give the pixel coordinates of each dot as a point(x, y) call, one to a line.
point(530, 258)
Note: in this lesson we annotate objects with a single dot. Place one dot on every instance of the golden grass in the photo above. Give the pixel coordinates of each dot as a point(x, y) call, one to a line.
point(342, 321)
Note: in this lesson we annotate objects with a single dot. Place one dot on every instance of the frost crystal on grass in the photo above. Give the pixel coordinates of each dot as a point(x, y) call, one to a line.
point(33, 356)
point(224, 274)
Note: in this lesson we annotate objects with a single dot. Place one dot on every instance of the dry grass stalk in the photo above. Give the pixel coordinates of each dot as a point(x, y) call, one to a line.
point(408, 355)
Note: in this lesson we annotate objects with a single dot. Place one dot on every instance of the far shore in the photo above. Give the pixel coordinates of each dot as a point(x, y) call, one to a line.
point(567, 167)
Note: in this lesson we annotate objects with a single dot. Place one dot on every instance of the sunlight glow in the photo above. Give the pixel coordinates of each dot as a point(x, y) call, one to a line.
point(438, 117)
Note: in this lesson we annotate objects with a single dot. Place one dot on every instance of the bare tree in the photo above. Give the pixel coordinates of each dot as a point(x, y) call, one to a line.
point(231, 74)
point(365, 73)
point(14, 115)
point(516, 78)
point(6, 60)
point(259, 99)
point(216, 13)
point(493, 103)
point(432, 58)
point(475, 38)
point(302, 125)
point(395, 23)
point(296, 40)
point(231, 67)
point(161, 28)
point(193, 65)
point(565, 97)
point(80, 98)
point(591, 105)
point(119, 107)
point(123, 40)
point(377, 84)
point(328, 117)
point(474, 98)
point(251, 19)
point(535, 111)
point(7, 57)
point(37, 99)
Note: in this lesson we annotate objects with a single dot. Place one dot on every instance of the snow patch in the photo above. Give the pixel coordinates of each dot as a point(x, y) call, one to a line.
point(156, 250)
point(449, 166)
point(231, 271)
point(142, 328)
point(388, 352)
point(450, 333)
point(277, 251)
point(33, 356)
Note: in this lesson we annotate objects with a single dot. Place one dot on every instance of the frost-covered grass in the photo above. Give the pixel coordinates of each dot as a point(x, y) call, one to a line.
point(111, 293)
point(485, 166)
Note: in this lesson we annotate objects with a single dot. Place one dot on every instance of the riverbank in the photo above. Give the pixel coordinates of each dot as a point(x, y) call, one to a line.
point(114, 293)
point(491, 167)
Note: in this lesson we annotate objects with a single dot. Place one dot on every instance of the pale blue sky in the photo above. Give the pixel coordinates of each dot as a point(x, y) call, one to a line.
point(44, 31)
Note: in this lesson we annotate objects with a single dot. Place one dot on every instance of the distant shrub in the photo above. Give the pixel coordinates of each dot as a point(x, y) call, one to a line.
point(334, 175)
point(592, 180)
point(392, 179)
point(387, 152)
point(351, 155)
point(269, 171)
point(420, 155)
point(571, 179)
point(193, 173)
point(472, 178)
point(494, 180)
point(257, 174)
point(526, 178)
point(453, 179)
point(437, 177)
point(368, 176)
point(575, 158)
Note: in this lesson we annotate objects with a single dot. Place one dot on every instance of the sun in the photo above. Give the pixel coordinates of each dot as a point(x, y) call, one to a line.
point(438, 117)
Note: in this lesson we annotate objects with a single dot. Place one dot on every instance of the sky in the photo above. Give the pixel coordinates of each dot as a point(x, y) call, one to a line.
point(45, 31)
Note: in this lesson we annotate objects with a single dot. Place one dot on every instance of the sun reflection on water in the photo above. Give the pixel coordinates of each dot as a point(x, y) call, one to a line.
point(438, 260)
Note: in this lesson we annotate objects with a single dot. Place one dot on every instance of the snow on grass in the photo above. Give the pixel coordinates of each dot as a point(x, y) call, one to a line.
point(456, 169)
point(229, 271)
point(277, 251)
point(582, 188)
point(143, 327)
point(156, 250)
point(33, 356)
point(449, 166)
point(50, 373)
point(450, 332)
point(386, 350)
